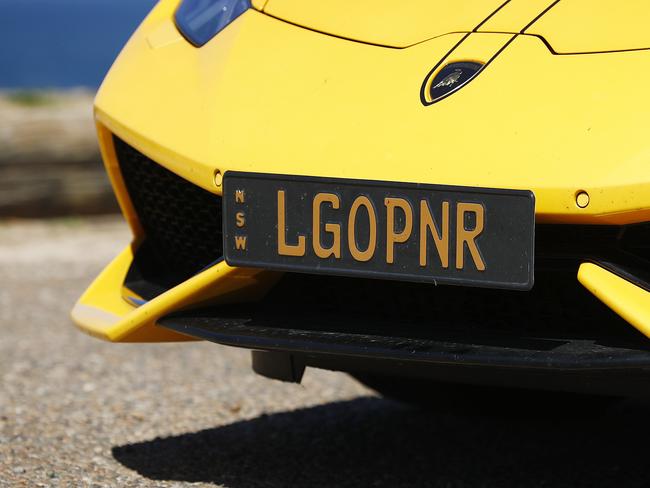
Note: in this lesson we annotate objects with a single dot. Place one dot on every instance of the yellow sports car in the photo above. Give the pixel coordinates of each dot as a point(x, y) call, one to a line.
point(417, 192)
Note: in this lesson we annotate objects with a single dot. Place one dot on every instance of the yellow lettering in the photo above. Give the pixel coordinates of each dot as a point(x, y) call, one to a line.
point(285, 249)
point(334, 229)
point(240, 242)
point(440, 237)
point(241, 219)
point(356, 253)
point(393, 237)
point(468, 236)
point(240, 197)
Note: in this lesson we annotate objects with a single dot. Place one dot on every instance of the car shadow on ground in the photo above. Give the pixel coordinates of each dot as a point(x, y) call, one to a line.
point(374, 442)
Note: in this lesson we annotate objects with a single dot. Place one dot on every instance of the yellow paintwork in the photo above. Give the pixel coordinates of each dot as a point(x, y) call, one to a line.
point(384, 22)
point(103, 312)
point(626, 299)
point(258, 4)
point(515, 15)
point(353, 110)
point(107, 151)
point(268, 96)
point(166, 33)
point(582, 26)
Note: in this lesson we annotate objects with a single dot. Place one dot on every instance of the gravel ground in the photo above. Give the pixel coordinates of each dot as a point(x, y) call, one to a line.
point(75, 411)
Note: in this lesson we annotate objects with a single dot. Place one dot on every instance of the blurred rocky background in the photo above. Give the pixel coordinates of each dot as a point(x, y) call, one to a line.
point(49, 158)
point(53, 56)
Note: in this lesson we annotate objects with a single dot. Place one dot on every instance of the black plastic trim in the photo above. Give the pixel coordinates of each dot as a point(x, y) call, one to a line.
point(298, 335)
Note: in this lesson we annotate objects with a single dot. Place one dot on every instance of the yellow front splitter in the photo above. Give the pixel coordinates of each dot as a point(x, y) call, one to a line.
point(628, 300)
point(103, 312)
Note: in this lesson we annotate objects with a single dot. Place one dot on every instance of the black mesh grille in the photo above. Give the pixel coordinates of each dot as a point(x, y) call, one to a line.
point(558, 306)
point(182, 222)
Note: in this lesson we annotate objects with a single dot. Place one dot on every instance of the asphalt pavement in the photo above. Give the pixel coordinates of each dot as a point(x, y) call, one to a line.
point(75, 411)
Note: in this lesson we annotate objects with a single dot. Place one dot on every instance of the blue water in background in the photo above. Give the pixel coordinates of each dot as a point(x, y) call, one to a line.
point(63, 43)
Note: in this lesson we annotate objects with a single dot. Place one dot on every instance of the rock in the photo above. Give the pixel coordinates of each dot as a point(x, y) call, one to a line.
point(49, 158)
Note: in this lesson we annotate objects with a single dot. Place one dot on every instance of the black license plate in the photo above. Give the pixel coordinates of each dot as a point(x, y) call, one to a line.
point(375, 229)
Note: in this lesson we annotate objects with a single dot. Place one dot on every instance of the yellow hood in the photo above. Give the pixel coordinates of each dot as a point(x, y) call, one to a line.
point(587, 26)
point(385, 22)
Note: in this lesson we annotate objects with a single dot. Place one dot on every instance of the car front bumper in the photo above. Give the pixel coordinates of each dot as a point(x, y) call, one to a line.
point(270, 97)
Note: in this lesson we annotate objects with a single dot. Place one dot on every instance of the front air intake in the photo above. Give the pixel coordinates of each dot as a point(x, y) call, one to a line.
point(181, 221)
